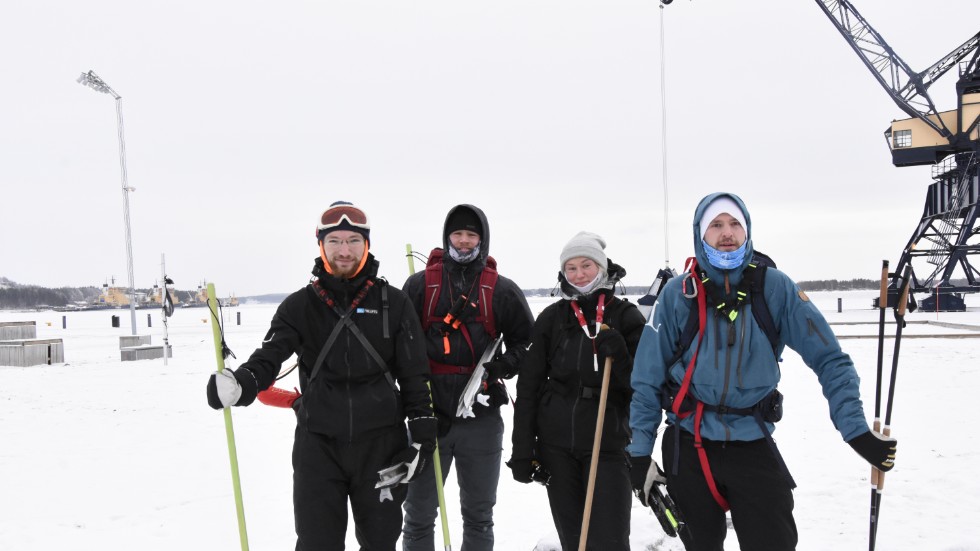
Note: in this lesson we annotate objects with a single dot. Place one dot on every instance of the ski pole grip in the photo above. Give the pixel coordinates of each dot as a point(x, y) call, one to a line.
point(883, 295)
point(886, 432)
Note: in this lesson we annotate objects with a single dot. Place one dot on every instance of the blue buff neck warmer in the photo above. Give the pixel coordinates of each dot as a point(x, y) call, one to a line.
point(724, 260)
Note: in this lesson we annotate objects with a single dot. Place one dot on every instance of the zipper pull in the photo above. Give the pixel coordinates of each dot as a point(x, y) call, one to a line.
point(731, 334)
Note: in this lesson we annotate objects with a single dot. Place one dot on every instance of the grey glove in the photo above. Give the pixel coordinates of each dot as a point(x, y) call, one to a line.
point(644, 473)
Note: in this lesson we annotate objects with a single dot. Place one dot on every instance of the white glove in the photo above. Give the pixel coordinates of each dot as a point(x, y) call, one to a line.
point(227, 387)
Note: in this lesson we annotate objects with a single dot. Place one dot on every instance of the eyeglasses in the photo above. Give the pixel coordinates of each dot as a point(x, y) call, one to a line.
point(352, 242)
point(334, 216)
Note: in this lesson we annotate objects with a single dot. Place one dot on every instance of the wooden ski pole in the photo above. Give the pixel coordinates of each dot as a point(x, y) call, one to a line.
point(229, 430)
point(887, 430)
point(882, 307)
point(436, 460)
point(596, 444)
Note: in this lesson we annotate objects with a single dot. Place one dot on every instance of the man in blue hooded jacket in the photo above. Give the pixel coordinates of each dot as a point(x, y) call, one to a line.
point(719, 393)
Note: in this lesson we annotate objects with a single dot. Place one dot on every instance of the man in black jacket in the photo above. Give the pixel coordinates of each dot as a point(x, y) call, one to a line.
point(461, 280)
point(354, 337)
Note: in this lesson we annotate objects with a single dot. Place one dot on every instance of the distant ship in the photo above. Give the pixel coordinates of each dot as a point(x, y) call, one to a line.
point(118, 297)
point(113, 297)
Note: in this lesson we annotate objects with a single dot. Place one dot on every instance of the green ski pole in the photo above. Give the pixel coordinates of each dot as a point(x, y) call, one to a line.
point(219, 348)
point(436, 462)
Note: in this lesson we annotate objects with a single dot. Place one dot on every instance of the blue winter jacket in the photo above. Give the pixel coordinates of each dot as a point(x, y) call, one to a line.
point(737, 376)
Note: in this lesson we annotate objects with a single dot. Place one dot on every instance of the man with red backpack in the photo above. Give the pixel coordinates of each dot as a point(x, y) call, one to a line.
point(464, 306)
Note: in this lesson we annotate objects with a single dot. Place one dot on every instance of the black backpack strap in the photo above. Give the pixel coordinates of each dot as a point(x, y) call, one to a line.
point(371, 350)
point(384, 308)
point(327, 346)
point(686, 337)
point(344, 320)
point(760, 310)
point(756, 275)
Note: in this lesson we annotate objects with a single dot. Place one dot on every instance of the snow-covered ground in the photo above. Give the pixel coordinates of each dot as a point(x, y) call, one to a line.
point(97, 454)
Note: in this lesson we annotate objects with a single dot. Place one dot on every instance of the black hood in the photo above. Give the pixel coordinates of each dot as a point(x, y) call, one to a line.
point(484, 237)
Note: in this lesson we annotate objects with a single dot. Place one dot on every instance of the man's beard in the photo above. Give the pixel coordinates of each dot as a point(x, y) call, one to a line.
point(342, 273)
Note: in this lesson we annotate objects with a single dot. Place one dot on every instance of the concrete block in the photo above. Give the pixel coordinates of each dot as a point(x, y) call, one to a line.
point(13, 330)
point(129, 341)
point(145, 352)
point(28, 352)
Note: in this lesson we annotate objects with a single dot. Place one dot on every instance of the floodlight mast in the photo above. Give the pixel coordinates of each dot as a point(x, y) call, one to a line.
point(94, 82)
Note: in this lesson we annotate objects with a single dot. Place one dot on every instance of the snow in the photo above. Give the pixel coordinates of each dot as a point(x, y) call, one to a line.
point(99, 454)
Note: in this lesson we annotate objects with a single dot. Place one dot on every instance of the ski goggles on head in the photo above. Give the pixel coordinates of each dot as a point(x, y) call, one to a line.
point(335, 216)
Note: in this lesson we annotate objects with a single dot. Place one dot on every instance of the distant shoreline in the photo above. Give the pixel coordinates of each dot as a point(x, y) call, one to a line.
point(27, 298)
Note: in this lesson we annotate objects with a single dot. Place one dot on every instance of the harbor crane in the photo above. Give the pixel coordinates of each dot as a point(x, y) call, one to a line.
point(949, 141)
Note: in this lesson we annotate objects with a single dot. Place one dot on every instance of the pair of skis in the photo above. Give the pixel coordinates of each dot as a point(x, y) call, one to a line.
point(877, 476)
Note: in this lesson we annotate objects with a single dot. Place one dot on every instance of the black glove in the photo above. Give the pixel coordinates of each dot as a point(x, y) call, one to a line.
point(875, 449)
point(423, 431)
point(496, 370)
point(413, 459)
point(232, 388)
point(521, 469)
point(610, 343)
point(644, 473)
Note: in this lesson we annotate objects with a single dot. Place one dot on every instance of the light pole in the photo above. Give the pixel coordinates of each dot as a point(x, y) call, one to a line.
point(93, 81)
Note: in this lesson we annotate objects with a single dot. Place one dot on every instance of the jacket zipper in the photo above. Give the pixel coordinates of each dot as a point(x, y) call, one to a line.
point(728, 369)
point(741, 346)
point(350, 397)
point(578, 366)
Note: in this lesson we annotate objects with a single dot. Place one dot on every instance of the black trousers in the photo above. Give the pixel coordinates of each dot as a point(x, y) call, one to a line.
point(609, 520)
point(327, 473)
point(749, 477)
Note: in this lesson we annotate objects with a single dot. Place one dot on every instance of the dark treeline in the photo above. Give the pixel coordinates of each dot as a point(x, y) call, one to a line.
point(29, 296)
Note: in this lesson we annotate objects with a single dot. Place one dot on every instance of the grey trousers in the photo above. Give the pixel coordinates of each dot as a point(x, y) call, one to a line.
point(475, 445)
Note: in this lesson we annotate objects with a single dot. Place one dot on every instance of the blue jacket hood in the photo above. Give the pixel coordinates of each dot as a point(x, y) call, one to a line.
point(734, 275)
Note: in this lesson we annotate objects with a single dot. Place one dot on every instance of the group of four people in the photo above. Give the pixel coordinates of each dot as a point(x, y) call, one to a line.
point(366, 353)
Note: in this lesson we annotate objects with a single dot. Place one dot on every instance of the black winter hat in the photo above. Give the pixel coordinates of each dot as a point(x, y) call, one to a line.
point(464, 219)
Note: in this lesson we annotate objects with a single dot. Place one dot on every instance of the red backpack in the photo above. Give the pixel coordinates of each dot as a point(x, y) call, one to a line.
point(484, 292)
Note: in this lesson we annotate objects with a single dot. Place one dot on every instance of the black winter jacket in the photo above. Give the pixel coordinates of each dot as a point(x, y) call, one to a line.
point(350, 397)
point(512, 316)
point(558, 388)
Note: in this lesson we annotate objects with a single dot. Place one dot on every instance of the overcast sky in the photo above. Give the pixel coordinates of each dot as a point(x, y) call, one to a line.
point(244, 120)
